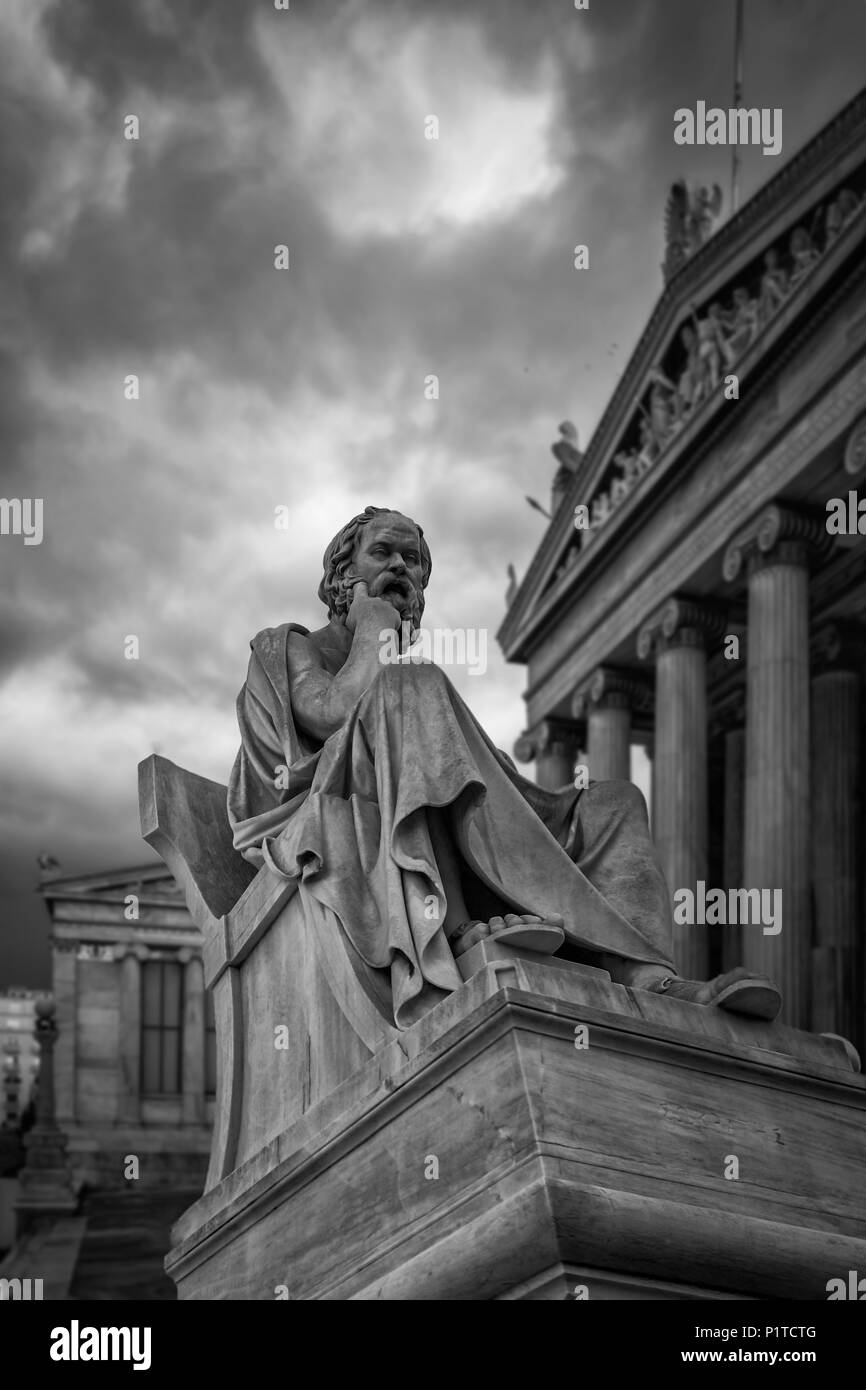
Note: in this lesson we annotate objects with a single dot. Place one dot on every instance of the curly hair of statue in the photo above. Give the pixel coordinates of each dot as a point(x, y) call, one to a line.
point(333, 590)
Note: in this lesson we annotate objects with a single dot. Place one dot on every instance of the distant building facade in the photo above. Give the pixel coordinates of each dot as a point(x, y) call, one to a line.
point(136, 1056)
point(701, 588)
point(19, 1052)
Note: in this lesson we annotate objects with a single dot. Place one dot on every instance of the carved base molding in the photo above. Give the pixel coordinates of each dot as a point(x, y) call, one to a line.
point(543, 1128)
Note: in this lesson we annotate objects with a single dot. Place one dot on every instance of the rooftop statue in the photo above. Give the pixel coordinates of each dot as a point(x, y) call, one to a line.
point(370, 781)
point(690, 217)
point(566, 449)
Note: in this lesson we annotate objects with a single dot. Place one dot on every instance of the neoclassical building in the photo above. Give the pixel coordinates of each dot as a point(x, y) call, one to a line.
point(693, 594)
point(135, 1059)
point(19, 1054)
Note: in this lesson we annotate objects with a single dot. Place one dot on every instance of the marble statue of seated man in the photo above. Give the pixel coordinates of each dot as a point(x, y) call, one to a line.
point(372, 783)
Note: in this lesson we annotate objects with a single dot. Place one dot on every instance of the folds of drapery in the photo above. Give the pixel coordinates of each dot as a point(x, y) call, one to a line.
point(350, 821)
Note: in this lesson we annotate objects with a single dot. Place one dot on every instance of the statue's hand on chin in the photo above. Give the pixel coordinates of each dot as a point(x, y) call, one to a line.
point(377, 613)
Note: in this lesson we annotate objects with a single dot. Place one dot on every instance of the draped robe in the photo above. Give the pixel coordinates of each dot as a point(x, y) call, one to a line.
point(350, 819)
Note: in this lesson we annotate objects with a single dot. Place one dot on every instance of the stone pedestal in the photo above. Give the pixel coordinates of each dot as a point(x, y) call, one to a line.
point(541, 1134)
point(545, 1134)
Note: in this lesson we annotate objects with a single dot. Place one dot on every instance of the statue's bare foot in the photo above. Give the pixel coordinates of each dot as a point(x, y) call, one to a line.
point(542, 934)
point(738, 991)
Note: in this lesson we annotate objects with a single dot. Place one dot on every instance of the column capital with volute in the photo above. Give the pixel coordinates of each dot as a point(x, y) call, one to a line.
point(679, 622)
point(611, 688)
point(548, 736)
point(775, 535)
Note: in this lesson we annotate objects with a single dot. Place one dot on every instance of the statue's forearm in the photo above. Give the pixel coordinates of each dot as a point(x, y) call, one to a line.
point(361, 668)
point(337, 696)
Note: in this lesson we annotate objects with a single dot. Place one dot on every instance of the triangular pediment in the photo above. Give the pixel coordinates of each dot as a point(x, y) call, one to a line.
point(151, 880)
point(719, 316)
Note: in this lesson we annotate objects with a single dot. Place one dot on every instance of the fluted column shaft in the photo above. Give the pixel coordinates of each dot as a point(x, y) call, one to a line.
point(680, 775)
point(555, 766)
point(778, 543)
point(608, 738)
point(676, 634)
point(732, 863)
point(606, 701)
point(836, 854)
point(777, 812)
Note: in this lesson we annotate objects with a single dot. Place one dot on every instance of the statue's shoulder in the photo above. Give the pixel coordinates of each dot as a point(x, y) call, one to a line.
point(271, 638)
point(269, 646)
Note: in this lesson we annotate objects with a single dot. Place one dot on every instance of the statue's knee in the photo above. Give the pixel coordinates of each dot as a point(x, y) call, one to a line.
point(617, 798)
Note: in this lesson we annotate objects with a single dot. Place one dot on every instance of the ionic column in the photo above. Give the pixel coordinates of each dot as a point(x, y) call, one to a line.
point(836, 965)
point(606, 701)
point(729, 721)
point(192, 1062)
point(129, 1083)
point(553, 744)
point(675, 635)
point(772, 550)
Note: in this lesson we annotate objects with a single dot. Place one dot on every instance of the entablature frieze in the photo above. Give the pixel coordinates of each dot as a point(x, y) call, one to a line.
point(98, 914)
point(720, 496)
point(632, 461)
point(708, 334)
point(66, 937)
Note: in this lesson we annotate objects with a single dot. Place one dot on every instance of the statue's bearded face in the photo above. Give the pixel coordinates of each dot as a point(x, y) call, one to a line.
point(388, 558)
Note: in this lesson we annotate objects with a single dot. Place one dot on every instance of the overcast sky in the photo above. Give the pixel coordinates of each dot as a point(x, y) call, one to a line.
point(305, 387)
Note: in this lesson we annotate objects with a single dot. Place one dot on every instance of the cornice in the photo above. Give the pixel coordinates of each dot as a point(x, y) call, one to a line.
point(790, 332)
point(682, 287)
point(685, 285)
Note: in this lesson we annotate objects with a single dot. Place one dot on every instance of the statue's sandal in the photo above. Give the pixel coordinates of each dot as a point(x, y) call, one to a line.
point(756, 997)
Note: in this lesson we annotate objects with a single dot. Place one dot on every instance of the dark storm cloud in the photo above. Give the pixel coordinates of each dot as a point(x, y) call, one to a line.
point(156, 258)
point(190, 47)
